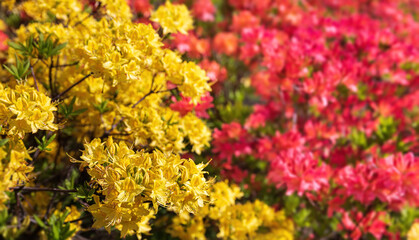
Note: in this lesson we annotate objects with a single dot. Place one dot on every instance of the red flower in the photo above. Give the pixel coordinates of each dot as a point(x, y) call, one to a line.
point(231, 140)
point(3, 41)
point(298, 171)
point(184, 106)
point(141, 6)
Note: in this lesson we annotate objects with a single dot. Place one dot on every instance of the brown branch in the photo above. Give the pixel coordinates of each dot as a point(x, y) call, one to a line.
point(50, 76)
point(18, 209)
point(78, 219)
point(69, 88)
point(90, 14)
point(39, 189)
point(148, 94)
point(66, 65)
point(50, 205)
point(34, 79)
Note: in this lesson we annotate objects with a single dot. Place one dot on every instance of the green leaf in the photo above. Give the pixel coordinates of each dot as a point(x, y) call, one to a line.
point(3, 142)
point(38, 141)
point(78, 112)
point(39, 221)
point(17, 46)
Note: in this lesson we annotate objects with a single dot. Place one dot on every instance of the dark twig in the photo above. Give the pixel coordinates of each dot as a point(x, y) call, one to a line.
point(18, 207)
point(66, 65)
point(69, 88)
point(85, 204)
point(78, 219)
point(50, 204)
point(34, 79)
point(148, 94)
point(50, 76)
point(38, 189)
point(90, 14)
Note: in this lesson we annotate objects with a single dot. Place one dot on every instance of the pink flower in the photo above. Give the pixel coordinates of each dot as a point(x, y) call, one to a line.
point(358, 182)
point(398, 180)
point(358, 224)
point(298, 171)
point(203, 10)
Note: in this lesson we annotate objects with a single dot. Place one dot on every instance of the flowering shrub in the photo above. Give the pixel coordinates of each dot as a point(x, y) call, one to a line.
point(209, 119)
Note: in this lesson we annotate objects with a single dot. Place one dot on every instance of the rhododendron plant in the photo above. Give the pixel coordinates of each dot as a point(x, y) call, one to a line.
point(209, 119)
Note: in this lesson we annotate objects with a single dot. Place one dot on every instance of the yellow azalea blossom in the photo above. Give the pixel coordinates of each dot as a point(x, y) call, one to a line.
point(413, 233)
point(14, 168)
point(8, 4)
point(131, 76)
point(173, 18)
point(25, 110)
point(130, 180)
point(234, 221)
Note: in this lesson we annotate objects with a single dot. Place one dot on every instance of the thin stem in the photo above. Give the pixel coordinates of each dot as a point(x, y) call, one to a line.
point(78, 219)
point(68, 89)
point(50, 205)
point(85, 204)
point(34, 79)
point(35, 156)
point(56, 73)
point(90, 14)
point(38, 189)
point(66, 65)
point(50, 76)
point(18, 210)
point(148, 94)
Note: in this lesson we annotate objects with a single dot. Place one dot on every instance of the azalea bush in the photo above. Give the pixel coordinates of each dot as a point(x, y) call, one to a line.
point(209, 119)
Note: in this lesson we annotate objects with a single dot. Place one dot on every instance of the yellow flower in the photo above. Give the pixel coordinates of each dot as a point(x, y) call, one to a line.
point(195, 82)
point(25, 110)
point(234, 221)
point(8, 4)
point(173, 18)
point(413, 233)
point(129, 180)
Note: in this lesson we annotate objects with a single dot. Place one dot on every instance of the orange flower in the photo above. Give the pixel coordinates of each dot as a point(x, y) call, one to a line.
point(226, 43)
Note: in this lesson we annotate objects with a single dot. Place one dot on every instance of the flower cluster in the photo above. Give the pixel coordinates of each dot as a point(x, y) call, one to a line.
point(173, 18)
point(308, 108)
point(14, 168)
point(130, 181)
point(234, 220)
point(332, 88)
point(25, 110)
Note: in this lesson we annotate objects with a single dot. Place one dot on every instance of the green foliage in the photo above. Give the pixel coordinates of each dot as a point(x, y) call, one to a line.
point(402, 221)
point(25, 49)
point(85, 192)
point(20, 70)
point(47, 47)
point(358, 139)
point(102, 107)
point(69, 183)
point(56, 227)
point(44, 142)
point(68, 110)
point(386, 129)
